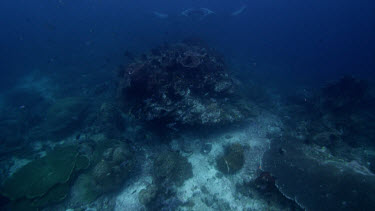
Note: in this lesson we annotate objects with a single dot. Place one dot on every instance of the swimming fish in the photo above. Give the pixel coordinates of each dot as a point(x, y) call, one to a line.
point(199, 13)
point(239, 11)
point(160, 15)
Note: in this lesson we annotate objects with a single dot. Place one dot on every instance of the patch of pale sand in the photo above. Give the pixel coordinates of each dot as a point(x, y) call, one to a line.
point(128, 198)
point(224, 188)
point(205, 173)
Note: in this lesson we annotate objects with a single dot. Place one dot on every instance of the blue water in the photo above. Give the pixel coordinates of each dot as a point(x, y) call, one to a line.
point(308, 41)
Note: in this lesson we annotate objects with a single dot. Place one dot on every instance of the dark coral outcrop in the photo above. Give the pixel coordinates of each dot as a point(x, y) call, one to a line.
point(181, 84)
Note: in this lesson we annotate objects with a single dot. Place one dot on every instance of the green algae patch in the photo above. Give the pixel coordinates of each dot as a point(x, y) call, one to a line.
point(39, 176)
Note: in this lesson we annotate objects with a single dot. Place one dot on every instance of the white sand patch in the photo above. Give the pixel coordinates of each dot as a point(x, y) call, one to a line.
point(209, 189)
point(128, 198)
point(205, 175)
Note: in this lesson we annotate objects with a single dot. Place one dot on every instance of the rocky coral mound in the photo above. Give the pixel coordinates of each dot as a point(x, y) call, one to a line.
point(181, 84)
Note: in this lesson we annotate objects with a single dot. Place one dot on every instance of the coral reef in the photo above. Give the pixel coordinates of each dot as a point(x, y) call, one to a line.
point(55, 195)
point(11, 133)
point(345, 95)
point(63, 118)
point(170, 168)
point(176, 132)
point(113, 162)
point(84, 190)
point(181, 84)
point(340, 113)
point(44, 180)
point(115, 167)
point(109, 120)
point(232, 160)
point(37, 177)
point(327, 144)
point(331, 184)
point(265, 182)
point(347, 111)
point(148, 195)
point(20, 110)
point(264, 188)
point(372, 164)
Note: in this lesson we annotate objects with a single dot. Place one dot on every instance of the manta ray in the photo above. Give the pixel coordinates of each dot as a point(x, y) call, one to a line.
point(199, 13)
point(239, 11)
point(160, 15)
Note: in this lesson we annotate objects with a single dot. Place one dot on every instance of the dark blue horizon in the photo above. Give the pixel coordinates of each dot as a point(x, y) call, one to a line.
point(303, 42)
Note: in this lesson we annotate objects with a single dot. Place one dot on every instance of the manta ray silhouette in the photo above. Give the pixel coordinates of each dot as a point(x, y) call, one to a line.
point(239, 11)
point(197, 13)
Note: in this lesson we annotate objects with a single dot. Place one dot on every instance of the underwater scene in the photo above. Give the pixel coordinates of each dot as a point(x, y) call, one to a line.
point(189, 105)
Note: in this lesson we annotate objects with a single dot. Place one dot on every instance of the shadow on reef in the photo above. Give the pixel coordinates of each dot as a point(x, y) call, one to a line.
point(341, 112)
point(264, 187)
point(20, 110)
point(181, 85)
point(319, 184)
point(38, 119)
point(50, 106)
point(324, 158)
point(62, 118)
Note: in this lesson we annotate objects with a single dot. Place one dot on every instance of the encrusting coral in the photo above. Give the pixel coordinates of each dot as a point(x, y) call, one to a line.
point(44, 180)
